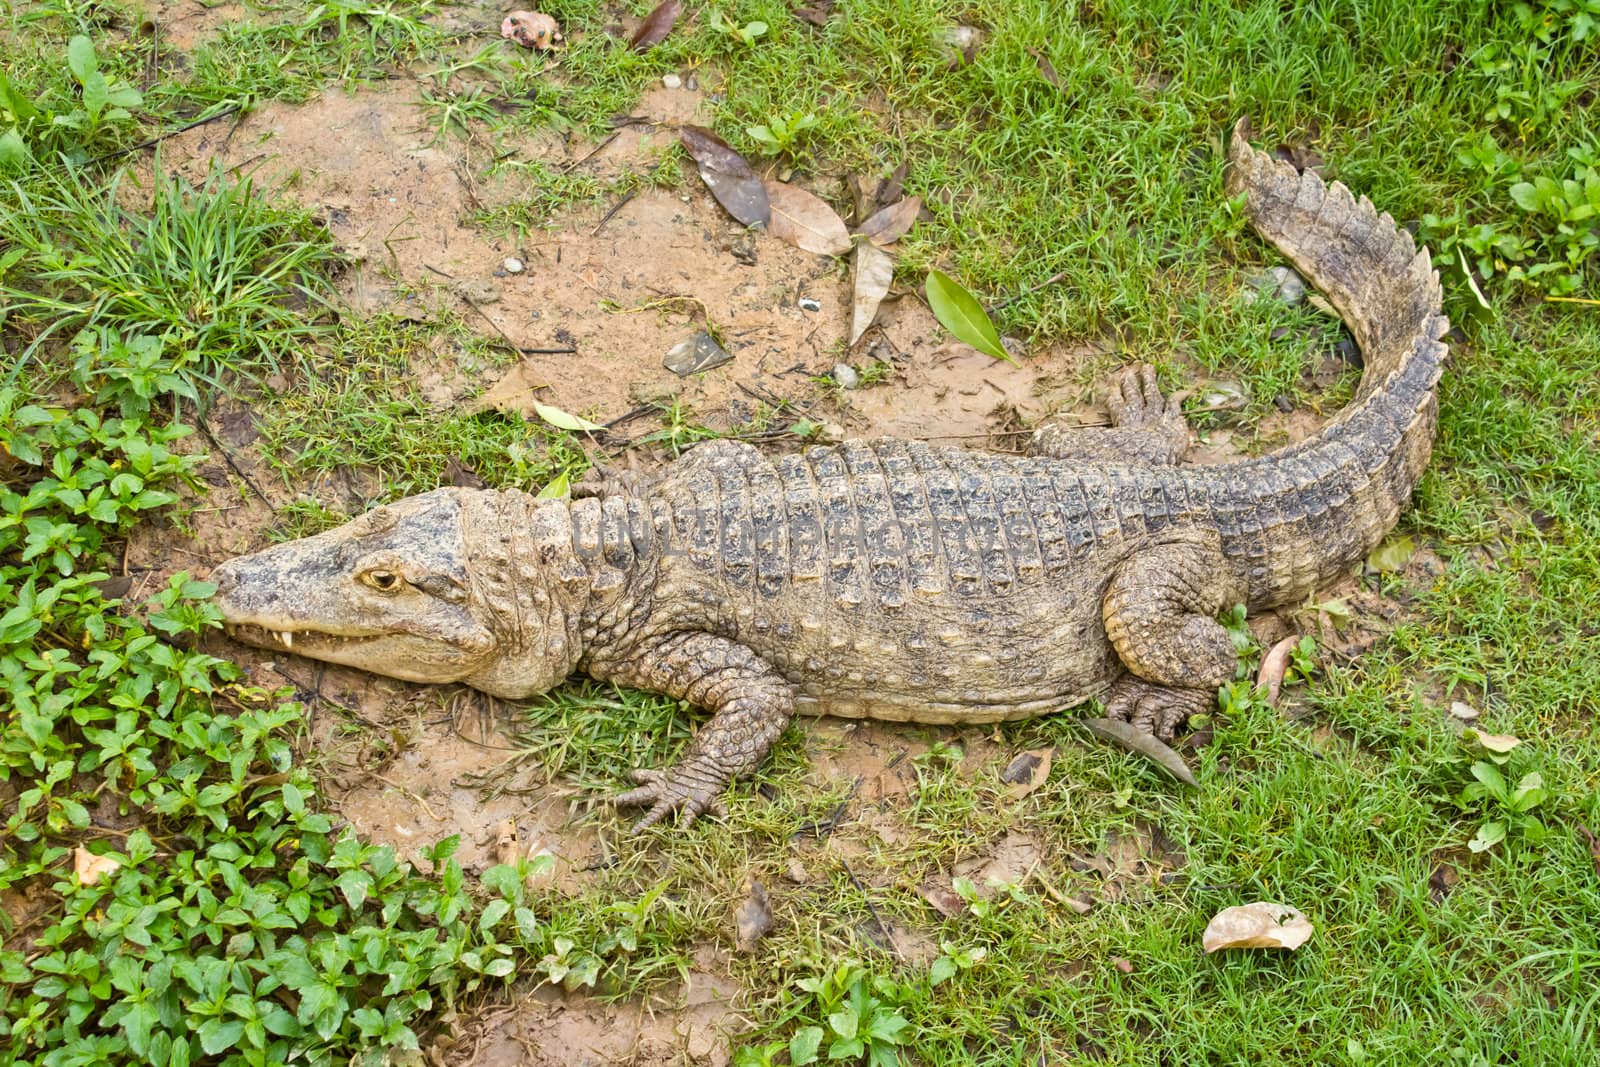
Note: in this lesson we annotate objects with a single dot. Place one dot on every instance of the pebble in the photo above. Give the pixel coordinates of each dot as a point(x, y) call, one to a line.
point(808, 304)
point(671, 81)
point(1283, 403)
point(845, 376)
point(513, 265)
point(1280, 282)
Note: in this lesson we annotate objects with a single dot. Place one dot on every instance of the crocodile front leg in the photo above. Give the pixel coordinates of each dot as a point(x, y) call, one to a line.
point(751, 706)
point(1159, 614)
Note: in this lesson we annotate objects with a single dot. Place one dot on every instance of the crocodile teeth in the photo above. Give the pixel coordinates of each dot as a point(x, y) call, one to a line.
point(287, 638)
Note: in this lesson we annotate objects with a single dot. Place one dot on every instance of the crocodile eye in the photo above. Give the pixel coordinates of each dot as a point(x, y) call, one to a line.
point(381, 580)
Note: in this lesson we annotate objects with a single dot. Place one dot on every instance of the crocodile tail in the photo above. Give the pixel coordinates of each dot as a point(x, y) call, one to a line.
point(1352, 478)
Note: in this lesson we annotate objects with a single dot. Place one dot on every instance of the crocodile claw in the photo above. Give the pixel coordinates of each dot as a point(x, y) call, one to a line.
point(674, 790)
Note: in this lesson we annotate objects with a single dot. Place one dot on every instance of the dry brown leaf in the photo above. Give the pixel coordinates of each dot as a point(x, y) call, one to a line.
point(507, 844)
point(1594, 846)
point(656, 25)
point(531, 29)
point(1499, 744)
point(1273, 667)
point(890, 224)
point(1259, 925)
point(90, 868)
point(1047, 69)
point(727, 175)
point(1142, 743)
point(806, 221)
point(895, 184)
point(874, 273)
point(1028, 771)
point(752, 918)
point(945, 900)
point(817, 12)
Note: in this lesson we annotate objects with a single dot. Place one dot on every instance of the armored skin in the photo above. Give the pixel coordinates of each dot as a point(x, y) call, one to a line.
point(893, 579)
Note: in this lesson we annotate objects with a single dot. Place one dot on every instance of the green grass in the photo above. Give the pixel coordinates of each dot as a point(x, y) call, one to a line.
point(1110, 178)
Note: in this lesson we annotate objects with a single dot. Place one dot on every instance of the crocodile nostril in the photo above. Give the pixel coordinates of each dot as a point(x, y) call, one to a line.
point(224, 579)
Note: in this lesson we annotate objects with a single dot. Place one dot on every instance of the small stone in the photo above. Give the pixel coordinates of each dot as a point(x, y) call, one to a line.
point(1462, 711)
point(796, 872)
point(808, 304)
point(1349, 352)
point(845, 376)
point(1283, 403)
point(476, 290)
point(692, 84)
point(698, 353)
point(513, 265)
point(1015, 347)
point(671, 81)
point(831, 433)
point(1280, 282)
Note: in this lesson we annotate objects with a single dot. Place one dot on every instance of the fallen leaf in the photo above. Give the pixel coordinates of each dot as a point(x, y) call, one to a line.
point(507, 845)
point(1464, 712)
point(874, 273)
point(1442, 881)
point(459, 474)
point(863, 194)
point(1046, 69)
point(90, 868)
point(959, 312)
point(1392, 556)
point(1499, 744)
point(727, 175)
point(1258, 925)
point(557, 488)
point(531, 29)
point(1594, 846)
point(752, 918)
point(817, 12)
point(1273, 667)
point(698, 353)
point(945, 900)
point(889, 224)
point(1028, 771)
point(656, 25)
point(806, 221)
point(892, 186)
point(1141, 743)
point(562, 420)
point(1123, 965)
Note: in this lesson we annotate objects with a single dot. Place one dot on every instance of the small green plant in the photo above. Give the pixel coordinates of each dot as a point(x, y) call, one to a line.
point(747, 34)
point(46, 125)
point(781, 133)
point(953, 960)
point(1503, 808)
point(860, 1022)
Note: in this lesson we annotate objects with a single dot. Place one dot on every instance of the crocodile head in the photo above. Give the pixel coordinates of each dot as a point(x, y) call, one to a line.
point(399, 592)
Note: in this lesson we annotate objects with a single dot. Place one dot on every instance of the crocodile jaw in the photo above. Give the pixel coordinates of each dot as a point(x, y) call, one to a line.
point(409, 657)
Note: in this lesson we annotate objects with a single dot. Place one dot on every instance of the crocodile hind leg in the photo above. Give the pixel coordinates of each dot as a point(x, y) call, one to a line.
point(1145, 427)
point(751, 706)
point(1159, 615)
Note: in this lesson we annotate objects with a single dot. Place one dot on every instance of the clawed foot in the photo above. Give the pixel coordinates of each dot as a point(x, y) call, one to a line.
point(1137, 400)
point(680, 789)
point(602, 481)
point(1145, 427)
point(1156, 709)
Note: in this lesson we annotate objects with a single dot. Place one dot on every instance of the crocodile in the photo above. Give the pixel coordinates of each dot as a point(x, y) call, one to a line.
point(894, 579)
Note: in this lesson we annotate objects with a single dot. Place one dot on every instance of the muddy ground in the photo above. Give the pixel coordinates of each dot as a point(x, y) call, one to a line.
point(605, 292)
